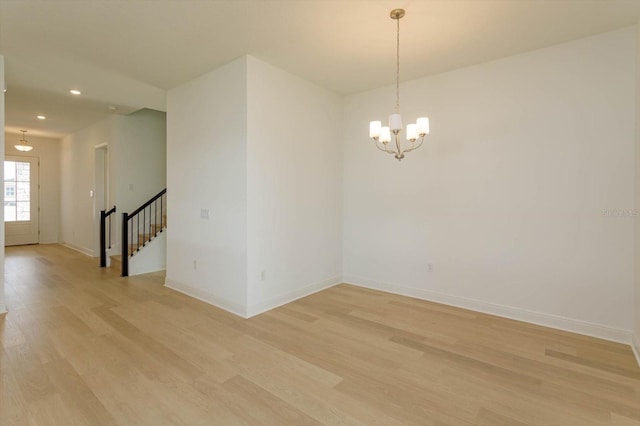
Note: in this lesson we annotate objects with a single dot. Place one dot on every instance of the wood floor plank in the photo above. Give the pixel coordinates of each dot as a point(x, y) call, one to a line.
point(82, 345)
point(27, 369)
point(76, 394)
point(268, 408)
point(13, 406)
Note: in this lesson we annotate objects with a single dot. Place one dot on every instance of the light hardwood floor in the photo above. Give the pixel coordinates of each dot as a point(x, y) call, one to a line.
point(82, 346)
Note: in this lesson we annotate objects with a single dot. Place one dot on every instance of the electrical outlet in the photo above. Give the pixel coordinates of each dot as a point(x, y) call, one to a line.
point(263, 275)
point(204, 213)
point(195, 264)
point(429, 267)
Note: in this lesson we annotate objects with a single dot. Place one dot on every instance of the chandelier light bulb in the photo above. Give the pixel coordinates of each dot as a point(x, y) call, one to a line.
point(423, 126)
point(412, 132)
point(385, 135)
point(374, 129)
point(395, 123)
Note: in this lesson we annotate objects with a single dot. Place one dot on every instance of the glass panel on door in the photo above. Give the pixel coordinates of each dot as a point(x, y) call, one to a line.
point(21, 200)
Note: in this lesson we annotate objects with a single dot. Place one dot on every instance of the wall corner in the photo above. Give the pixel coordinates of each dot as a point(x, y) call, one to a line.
point(2, 110)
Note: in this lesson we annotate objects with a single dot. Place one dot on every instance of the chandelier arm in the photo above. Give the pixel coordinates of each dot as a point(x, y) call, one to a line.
point(398, 150)
point(388, 151)
point(414, 147)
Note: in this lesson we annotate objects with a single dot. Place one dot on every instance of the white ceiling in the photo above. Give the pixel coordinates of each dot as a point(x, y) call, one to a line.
point(127, 53)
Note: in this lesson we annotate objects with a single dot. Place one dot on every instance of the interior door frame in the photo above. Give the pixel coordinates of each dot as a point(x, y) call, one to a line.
point(101, 189)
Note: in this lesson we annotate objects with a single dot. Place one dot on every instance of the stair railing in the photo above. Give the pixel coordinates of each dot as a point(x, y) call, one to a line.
point(143, 223)
point(105, 234)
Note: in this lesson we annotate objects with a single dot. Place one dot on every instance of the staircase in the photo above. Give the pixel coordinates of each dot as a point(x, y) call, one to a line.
point(145, 237)
point(143, 240)
point(141, 230)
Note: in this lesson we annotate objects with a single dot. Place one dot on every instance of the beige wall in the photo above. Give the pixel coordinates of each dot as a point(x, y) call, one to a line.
point(47, 150)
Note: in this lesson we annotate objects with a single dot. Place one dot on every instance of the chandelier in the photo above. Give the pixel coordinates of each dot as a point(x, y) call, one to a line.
point(23, 146)
point(382, 135)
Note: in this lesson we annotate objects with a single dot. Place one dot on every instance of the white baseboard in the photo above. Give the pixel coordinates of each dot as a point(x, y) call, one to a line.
point(635, 346)
point(82, 250)
point(48, 242)
point(206, 297)
point(256, 309)
point(547, 320)
point(288, 297)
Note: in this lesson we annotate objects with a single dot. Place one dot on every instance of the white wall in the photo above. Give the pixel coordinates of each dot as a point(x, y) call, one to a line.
point(506, 198)
point(139, 158)
point(138, 163)
point(2, 302)
point(47, 150)
point(294, 178)
point(77, 162)
point(152, 258)
point(636, 339)
point(206, 169)
point(137, 171)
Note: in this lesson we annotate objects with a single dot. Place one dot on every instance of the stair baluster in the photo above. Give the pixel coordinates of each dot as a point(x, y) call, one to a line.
point(104, 234)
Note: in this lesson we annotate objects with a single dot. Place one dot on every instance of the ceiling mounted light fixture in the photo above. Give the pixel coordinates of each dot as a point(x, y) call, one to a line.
point(23, 146)
point(75, 92)
point(382, 135)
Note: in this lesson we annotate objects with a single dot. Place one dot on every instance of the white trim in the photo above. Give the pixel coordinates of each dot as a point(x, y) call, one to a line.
point(547, 320)
point(82, 250)
point(635, 347)
point(285, 298)
point(206, 297)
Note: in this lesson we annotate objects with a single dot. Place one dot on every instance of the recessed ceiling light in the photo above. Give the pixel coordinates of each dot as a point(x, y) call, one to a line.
point(75, 92)
point(42, 117)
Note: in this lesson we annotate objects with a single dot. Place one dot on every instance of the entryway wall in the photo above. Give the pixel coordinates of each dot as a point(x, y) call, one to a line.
point(137, 171)
point(48, 151)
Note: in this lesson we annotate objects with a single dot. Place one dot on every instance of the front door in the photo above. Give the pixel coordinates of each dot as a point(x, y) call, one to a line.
point(21, 201)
